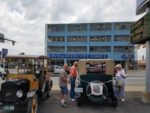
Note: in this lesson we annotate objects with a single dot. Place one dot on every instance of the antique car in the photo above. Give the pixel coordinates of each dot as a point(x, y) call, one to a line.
point(27, 79)
point(95, 81)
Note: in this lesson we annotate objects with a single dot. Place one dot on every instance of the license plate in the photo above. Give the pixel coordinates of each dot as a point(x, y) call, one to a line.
point(8, 108)
point(78, 90)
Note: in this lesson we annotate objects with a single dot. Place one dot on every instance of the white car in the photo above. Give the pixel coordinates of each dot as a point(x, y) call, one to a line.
point(2, 72)
point(56, 69)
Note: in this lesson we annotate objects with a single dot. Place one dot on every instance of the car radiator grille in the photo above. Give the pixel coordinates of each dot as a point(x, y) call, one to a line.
point(9, 92)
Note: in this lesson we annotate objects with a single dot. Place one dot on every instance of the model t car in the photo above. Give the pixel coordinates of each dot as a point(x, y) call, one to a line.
point(27, 79)
point(95, 81)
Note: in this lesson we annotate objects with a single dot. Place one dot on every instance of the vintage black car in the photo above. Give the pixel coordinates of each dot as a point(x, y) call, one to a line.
point(25, 83)
point(95, 81)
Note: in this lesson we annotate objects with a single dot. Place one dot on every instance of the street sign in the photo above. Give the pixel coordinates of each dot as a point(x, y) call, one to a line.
point(140, 30)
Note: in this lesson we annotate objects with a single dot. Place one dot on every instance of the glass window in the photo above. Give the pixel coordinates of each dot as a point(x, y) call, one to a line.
point(76, 49)
point(77, 27)
point(122, 26)
point(100, 38)
point(56, 49)
point(56, 39)
point(122, 38)
point(100, 26)
point(100, 49)
point(56, 28)
point(77, 39)
point(120, 49)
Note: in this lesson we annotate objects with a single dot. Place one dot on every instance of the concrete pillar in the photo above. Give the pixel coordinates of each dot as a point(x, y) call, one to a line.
point(146, 94)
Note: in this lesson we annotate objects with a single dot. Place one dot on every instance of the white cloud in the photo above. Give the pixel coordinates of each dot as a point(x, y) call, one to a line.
point(24, 20)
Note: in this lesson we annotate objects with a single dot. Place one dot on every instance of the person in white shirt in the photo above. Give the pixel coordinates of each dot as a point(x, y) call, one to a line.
point(121, 81)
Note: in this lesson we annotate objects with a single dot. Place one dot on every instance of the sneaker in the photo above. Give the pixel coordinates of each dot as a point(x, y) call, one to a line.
point(122, 99)
point(73, 99)
point(64, 105)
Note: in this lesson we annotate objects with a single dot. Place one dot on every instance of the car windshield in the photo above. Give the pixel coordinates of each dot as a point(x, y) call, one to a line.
point(96, 67)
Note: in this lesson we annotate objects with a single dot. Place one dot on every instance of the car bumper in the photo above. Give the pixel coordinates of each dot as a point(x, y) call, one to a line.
point(13, 106)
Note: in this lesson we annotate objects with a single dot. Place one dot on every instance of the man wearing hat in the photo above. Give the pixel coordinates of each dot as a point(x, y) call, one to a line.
point(120, 78)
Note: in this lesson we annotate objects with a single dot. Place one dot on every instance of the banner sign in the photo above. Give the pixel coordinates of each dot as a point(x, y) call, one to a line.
point(83, 56)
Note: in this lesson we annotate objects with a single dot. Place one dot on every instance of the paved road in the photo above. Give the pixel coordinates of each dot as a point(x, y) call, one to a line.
point(132, 104)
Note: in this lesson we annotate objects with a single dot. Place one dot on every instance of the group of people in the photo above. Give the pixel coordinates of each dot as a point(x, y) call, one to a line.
point(69, 76)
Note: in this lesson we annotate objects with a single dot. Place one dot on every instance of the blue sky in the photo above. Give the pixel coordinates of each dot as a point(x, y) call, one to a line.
point(24, 20)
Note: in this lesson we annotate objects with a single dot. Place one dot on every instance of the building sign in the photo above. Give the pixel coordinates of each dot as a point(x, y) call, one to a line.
point(141, 6)
point(139, 3)
point(4, 52)
point(79, 56)
point(140, 31)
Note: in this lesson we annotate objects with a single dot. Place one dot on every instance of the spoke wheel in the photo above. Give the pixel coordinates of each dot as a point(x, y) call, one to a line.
point(32, 105)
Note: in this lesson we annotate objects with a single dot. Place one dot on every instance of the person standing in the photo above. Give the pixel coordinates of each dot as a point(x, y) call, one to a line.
point(73, 74)
point(63, 80)
point(121, 81)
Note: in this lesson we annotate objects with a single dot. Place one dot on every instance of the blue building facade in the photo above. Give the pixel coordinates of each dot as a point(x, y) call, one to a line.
point(66, 43)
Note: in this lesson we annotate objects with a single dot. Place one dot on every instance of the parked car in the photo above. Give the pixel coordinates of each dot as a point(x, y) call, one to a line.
point(55, 69)
point(23, 86)
point(95, 81)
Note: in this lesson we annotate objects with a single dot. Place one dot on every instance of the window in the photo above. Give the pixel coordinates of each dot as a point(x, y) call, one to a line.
point(100, 38)
point(77, 39)
point(56, 49)
point(120, 49)
point(100, 49)
point(76, 49)
point(56, 28)
point(122, 26)
point(122, 38)
point(77, 27)
point(56, 39)
point(100, 26)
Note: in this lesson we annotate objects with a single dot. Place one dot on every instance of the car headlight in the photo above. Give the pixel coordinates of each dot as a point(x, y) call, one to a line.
point(19, 93)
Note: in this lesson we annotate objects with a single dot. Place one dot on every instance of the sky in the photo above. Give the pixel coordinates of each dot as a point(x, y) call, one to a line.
point(24, 20)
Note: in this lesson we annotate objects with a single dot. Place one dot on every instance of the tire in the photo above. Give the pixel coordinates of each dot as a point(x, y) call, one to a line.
point(114, 102)
point(32, 105)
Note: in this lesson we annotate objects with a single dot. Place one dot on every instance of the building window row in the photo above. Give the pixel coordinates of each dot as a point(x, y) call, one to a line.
point(95, 49)
point(100, 38)
point(93, 27)
point(91, 39)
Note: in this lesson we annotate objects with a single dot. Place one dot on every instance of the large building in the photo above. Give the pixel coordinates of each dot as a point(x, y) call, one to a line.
point(66, 43)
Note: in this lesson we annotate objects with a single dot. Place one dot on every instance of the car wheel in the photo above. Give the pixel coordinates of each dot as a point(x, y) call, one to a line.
point(32, 105)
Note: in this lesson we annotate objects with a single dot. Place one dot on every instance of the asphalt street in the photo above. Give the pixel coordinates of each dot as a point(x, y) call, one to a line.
point(133, 103)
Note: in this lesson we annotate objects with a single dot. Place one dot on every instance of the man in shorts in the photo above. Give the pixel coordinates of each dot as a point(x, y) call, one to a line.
point(63, 80)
